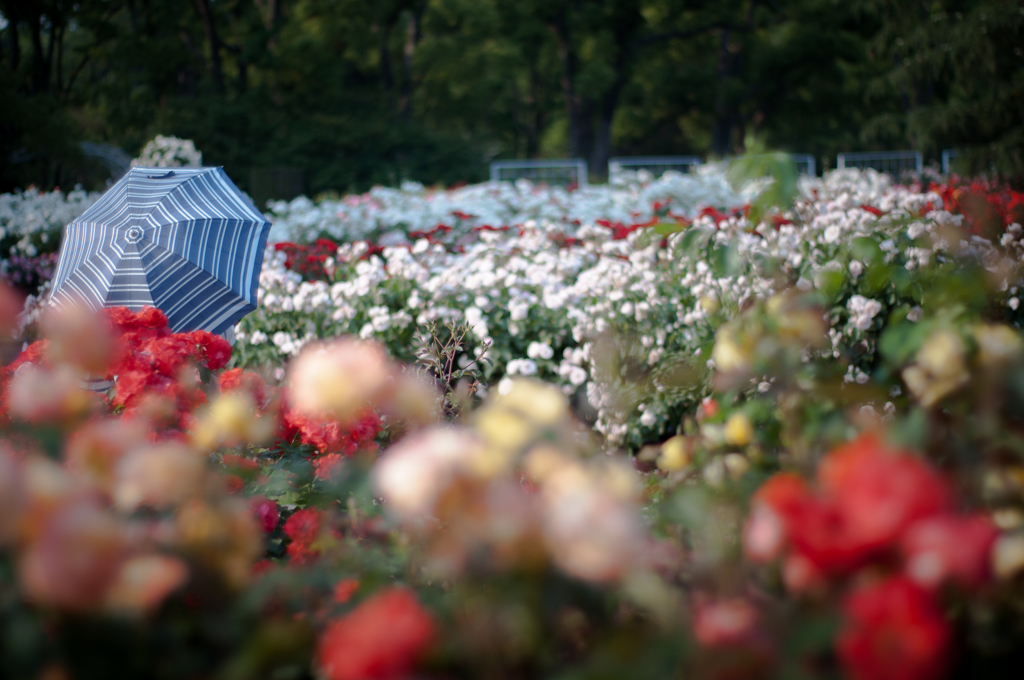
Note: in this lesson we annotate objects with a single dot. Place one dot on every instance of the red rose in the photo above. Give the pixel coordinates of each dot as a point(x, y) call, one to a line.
point(776, 505)
point(345, 589)
point(879, 492)
point(303, 528)
point(949, 548)
point(381, 639)
point(266, 512)
point(893, 631)
point(725, 623)
point(214, 350)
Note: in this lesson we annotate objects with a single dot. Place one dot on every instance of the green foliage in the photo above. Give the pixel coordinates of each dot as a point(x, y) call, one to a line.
point(759, 163)
point(357, 92)
point(957, 69)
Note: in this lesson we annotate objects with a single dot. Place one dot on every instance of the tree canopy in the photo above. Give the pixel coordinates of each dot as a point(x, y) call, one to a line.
point(357, 92)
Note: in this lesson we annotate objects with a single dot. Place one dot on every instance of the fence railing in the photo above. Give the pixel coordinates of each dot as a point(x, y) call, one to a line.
point(656, 165)
point(805, 164)
point(565, 172)
point(573, 171)
point(892, 162)
point(947, 159)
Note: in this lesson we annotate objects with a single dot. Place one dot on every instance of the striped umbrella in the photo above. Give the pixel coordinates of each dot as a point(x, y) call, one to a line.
point(185, 241)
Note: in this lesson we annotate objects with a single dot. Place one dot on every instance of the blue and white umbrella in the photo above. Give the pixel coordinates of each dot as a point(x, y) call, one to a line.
point(183, 240)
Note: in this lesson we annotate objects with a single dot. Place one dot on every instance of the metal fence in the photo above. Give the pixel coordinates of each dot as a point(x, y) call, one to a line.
point(805, 164)
point(567, 172)
point(947, 159)
point(656, 165)
point(892, 162)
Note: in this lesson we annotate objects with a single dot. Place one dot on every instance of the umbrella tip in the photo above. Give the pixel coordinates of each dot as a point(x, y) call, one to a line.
point(163, 176)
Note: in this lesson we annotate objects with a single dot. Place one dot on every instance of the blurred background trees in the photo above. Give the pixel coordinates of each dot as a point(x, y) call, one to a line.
point(357, 92)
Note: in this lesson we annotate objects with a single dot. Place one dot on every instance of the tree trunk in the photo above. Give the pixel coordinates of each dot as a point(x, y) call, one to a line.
point(577, 110)
point(413, 35)
point(40, 74)
point(602, 150)
point(12, 39)
point(609, 103)
point(216, 68)
point(535, 113)
point(59, 36)
point(386, 75)
point(722, 130)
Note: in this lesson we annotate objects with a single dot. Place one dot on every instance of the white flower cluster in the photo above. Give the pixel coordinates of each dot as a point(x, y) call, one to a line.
point(543, 303)
point(388, 215)
point(169, 152)
point(31, 221)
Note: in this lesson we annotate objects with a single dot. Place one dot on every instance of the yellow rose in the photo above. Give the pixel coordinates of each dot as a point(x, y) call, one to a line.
point(675, 454)
point(940, 368)
point(738, 430)
point(998, 344)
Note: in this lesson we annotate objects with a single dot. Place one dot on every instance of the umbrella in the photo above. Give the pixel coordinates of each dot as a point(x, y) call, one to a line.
point(185, 241)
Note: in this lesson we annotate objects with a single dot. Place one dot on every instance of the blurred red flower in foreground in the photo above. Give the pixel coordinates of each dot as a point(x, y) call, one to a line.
point(266, 512)
point(875, 509)
point(893, 631)
point(381, 639)
point(303, 528)
point(869, 495)
point(724, 623)
point(949, 549)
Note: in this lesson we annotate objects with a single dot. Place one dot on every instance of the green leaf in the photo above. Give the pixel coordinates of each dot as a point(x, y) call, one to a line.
point(666, 228)
point(866, 249)
point(726, 261)
point(694, 237)
point(832, 283)
point(877, 277)
point(900, 341)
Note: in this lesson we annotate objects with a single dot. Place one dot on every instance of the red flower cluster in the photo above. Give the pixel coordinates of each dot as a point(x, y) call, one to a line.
point(987, 206)
point(156, 370)
point(329, 436)
point(266, 512)
point(308, 260)
point(237, 380)
point(381, 639)
point(894, 631)
point(883, 509)
point(434, 235)
point(153, 364)
point(303, 529)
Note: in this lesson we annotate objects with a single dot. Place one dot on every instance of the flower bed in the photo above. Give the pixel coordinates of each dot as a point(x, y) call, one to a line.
point(198, 520)
point(556, 300)
point(30, 228)
point(804, 460)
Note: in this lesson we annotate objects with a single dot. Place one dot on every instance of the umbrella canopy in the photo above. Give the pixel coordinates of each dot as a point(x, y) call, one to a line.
point(184, 240)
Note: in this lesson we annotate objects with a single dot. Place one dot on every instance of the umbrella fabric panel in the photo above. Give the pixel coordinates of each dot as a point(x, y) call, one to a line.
point(191, 297)
point(230, 250)
point(210, 194)
point(129, 286)
point(132, 199)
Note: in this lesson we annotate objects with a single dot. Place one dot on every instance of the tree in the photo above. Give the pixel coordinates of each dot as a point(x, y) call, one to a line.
point(957, 67)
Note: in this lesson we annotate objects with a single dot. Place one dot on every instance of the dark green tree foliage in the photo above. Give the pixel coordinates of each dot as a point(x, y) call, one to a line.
point(958, 70)
point(358, 92)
